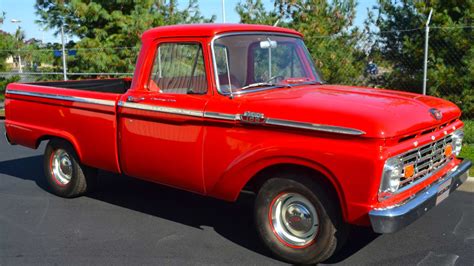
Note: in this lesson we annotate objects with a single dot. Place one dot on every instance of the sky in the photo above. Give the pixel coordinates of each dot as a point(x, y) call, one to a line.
point(24, 10)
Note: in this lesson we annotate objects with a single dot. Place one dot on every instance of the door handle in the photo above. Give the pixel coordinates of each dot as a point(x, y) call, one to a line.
point(133, 99)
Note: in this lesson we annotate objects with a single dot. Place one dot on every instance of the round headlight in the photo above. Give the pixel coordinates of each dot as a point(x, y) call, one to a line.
point(392, 171)
point(457, 137)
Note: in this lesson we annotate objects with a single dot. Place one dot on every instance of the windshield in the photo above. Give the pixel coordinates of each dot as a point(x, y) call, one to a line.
point(246, 62)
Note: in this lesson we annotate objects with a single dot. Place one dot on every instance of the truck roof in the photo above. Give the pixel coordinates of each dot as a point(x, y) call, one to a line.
point(210, 29)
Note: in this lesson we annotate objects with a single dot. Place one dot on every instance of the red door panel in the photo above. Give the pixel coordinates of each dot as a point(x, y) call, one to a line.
point(161, 139)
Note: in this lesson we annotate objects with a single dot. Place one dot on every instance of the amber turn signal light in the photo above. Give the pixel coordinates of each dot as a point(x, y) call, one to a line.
point(409, 170)
point(448, 150)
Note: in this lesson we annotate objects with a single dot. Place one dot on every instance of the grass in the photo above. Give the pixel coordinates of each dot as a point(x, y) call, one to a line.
point(469, 131)
point(467, 152)
point(468, 148)
point(2, 113)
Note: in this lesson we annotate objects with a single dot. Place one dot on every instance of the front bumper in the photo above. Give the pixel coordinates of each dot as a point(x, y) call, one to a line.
point(390, 220)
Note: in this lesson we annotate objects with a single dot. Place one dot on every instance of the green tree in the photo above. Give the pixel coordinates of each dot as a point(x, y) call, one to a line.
point(110, 31)
point(328, 31)
point(400, 42)
point(8, 44)
point(253, 12)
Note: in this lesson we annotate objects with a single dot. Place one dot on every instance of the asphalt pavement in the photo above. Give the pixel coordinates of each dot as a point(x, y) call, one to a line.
point(132, 222)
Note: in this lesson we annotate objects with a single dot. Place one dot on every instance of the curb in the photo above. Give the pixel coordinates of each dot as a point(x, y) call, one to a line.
point(468, 186)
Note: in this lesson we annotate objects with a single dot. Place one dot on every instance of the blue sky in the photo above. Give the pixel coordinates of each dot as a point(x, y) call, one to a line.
point(24, 10)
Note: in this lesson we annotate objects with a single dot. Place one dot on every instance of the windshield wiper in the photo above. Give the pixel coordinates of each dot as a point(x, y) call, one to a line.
point(263, 84)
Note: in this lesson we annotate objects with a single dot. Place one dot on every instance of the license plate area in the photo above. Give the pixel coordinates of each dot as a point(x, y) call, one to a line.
point(443, 191)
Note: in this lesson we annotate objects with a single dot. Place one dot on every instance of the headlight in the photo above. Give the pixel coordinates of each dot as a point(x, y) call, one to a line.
point(392, 171)
point(457, 137)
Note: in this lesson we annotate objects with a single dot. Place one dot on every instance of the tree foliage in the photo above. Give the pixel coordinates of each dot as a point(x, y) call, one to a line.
point(109, 31)
point(254, 12)
point(8, 43)
point(451, 54)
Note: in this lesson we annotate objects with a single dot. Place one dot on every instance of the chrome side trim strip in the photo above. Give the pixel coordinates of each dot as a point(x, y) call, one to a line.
point(62, 97)
point(315, 127)
point(238, 117)
point(161, 109)
point(222, 116)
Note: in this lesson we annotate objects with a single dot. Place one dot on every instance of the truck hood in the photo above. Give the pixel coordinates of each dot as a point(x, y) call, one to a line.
point(379, 113)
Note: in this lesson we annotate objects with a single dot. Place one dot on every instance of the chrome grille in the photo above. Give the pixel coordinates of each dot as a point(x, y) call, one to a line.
point(426, 160)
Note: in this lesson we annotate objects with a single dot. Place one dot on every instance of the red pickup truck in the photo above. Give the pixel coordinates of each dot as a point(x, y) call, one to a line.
point(220, 109)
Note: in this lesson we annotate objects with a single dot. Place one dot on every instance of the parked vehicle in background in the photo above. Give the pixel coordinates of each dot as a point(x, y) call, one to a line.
point(217, 109)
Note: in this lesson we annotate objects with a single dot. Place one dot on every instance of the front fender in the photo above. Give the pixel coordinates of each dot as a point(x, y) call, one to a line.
point(240, 173)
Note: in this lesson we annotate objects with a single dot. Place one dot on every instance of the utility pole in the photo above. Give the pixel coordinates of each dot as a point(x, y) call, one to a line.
point(223, 11)
point(20, 68)
point(425, 63)
point(42, 36)
point(64, 53)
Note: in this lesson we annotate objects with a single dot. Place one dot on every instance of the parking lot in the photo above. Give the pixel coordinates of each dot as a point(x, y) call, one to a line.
point(128, 221)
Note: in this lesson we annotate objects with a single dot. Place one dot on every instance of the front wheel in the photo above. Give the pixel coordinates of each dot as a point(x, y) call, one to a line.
point(65, 175)
point(297, 220)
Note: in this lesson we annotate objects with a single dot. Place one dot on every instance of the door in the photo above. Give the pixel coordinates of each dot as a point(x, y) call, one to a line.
point(161, 126)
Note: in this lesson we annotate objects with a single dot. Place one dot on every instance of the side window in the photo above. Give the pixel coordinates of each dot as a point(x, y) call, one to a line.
point(179, 69)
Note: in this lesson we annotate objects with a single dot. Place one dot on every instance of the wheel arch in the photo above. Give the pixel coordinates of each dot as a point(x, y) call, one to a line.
point(252, 176)
point(71, 140)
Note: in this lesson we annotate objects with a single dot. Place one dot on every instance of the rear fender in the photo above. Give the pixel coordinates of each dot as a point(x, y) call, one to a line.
point(31, 136)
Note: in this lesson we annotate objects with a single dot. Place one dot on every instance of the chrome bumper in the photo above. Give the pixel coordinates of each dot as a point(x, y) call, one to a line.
point(390, 220)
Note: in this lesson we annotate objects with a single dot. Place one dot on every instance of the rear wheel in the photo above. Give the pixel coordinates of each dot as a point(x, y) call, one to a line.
point(65, 175)
point(297, 220)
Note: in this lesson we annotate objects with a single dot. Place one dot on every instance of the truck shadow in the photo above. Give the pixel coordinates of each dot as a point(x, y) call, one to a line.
point(234, 221)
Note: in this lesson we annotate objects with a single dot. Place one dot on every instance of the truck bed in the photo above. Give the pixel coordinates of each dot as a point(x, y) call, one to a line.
point(98, 85)
point(81, 112)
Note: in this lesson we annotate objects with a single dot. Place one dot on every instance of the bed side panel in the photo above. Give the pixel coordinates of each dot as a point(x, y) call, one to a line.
point(86, 119)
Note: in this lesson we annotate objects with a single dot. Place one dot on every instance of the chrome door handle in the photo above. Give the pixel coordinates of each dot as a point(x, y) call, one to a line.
point(133, 99)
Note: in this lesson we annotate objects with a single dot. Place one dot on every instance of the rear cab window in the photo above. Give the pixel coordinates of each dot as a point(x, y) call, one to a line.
point(179, 68)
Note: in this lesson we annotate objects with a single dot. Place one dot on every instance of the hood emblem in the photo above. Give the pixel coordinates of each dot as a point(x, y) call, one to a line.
point(436, 114)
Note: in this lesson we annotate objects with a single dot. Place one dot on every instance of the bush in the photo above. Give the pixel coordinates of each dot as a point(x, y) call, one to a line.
point(4, 82)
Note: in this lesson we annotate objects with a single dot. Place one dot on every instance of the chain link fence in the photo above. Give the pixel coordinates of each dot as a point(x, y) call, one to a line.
point(92, 62)
point(393, 60)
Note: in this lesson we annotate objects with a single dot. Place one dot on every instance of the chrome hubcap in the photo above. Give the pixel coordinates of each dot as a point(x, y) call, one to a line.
point(61, 167)
point(294, 219)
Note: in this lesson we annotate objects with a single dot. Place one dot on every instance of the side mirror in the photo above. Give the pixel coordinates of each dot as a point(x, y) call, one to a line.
point(268, 44)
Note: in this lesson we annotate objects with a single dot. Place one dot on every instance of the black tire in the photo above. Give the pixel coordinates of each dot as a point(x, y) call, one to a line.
point(82, 178)
point(330, 235)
